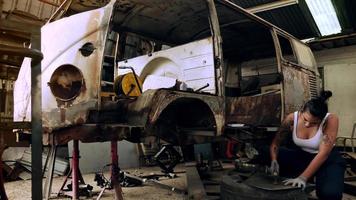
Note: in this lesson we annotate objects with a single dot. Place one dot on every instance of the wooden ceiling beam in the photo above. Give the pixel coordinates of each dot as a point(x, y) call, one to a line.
point(20, 27)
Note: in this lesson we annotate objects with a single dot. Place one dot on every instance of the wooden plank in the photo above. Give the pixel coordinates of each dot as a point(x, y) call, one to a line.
point(195, 186)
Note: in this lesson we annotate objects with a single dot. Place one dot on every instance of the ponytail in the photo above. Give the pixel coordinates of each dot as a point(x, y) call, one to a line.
point(325, 95)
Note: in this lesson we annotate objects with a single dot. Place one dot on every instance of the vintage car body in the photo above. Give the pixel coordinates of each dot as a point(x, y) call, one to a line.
point(83, 54)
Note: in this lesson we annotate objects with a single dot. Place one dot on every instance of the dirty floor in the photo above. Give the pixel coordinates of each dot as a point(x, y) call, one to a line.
point(21, 190)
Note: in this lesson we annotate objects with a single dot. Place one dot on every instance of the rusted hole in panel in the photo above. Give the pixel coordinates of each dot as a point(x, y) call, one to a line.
point(66, 82)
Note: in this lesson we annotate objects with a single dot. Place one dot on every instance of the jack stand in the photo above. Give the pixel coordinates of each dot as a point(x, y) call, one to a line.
point(115, 171)
point(78, 186)
point(114, 182)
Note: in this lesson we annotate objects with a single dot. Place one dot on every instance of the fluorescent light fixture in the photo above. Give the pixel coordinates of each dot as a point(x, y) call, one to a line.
point(324, 16)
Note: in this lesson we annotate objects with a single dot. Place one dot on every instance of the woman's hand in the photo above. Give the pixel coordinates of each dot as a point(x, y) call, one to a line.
point(300, 181)
point(274, 169)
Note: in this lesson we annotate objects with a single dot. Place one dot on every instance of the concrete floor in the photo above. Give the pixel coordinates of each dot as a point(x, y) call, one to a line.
point(21, 190)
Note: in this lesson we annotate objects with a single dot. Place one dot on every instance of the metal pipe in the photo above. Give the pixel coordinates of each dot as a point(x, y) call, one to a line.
point(36, 97)
point(36, 115)
point(203, 87)
point(75, 170)
point(60, 10)
point(115, 171)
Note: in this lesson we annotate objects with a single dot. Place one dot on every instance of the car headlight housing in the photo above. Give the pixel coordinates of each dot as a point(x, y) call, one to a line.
point(66, 82)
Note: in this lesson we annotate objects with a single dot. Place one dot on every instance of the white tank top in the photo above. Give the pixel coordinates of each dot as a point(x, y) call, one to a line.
point(310, 145)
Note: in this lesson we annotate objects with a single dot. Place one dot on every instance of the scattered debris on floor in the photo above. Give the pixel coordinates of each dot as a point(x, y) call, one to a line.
point(21, 190)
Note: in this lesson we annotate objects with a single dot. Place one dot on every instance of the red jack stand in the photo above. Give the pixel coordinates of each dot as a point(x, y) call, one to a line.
point(115, 171)
point(77, 178)
point(115, 174)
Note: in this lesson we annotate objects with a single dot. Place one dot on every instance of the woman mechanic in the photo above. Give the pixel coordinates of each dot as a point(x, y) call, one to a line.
point(314, 133)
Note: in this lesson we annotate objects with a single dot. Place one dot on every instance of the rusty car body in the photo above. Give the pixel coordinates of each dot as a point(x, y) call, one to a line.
point(237, 69)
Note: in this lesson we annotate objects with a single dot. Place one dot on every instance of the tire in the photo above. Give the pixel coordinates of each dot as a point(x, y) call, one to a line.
point(234, 188)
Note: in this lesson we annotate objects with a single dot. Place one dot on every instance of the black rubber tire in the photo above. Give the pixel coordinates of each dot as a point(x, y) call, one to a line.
point(234, 188)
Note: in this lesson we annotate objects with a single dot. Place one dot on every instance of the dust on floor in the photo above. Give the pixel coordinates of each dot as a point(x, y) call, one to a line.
point(21, 190)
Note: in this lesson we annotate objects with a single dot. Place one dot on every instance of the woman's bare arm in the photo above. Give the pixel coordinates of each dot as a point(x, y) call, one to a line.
point(325, 147)
point(282, 133)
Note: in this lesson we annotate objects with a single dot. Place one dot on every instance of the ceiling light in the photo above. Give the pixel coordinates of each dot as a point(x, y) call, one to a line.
point(324, 16)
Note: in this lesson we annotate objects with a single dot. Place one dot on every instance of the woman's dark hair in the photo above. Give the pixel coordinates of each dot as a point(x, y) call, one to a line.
point(318, 106)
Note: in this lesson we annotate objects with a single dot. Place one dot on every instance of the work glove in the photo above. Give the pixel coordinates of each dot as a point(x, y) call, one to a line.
point(296, 182)
point(274, 169)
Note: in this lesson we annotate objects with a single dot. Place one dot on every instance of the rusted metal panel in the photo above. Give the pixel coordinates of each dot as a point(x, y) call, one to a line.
point(91, 27)
point(300, 77)
point(90, 126)
point(261, 110)
point(116, 120)
point(150, 106)
point(90, 133)
point(295, 86)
